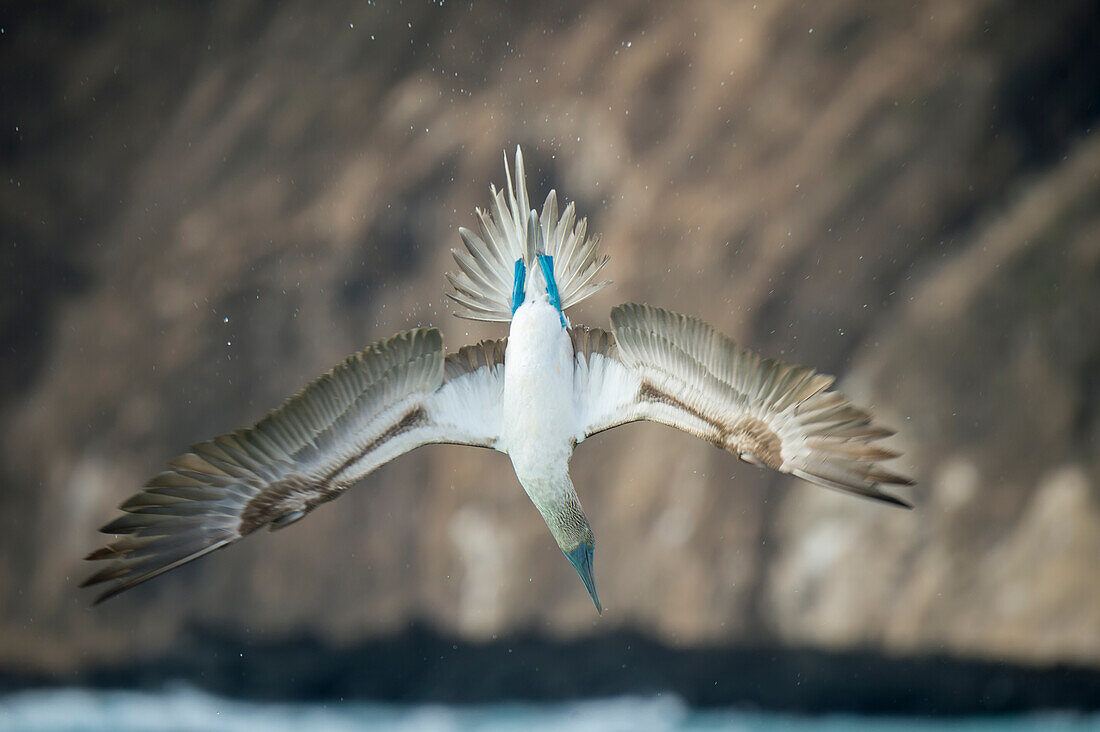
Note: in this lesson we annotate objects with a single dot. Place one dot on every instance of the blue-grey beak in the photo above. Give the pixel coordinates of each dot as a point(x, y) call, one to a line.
point(581, 559)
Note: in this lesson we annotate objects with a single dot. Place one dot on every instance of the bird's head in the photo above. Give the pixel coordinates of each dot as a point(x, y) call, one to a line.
point(574, 536)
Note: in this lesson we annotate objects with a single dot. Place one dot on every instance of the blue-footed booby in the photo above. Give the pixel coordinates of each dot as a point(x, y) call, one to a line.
point(534, 396)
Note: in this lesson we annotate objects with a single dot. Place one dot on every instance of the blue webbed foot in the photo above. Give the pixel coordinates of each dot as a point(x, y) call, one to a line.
point(546, 262)
point(518, 292)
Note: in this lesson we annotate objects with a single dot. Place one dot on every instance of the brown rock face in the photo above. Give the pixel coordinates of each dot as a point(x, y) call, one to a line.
point(207, 205)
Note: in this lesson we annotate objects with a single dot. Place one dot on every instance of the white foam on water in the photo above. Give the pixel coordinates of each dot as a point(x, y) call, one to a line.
point(183, 709)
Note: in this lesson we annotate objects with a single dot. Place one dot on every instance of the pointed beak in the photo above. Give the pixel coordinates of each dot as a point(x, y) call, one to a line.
point(581, 559)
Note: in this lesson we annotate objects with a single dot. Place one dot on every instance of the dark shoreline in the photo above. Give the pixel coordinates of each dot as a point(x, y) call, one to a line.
point(420, 665)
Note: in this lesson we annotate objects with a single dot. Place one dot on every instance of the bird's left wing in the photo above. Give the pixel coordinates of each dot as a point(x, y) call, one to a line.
point(664, 367)
point(377, 404)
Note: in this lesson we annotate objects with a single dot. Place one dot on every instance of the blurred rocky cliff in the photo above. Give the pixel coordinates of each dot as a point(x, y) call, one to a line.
point(205, 205)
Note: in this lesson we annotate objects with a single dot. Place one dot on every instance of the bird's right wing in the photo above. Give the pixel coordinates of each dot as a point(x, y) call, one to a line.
point(664, 367)
point(391, 398)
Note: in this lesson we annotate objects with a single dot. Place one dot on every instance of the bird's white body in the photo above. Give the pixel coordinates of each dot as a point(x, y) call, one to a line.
point(539, 415)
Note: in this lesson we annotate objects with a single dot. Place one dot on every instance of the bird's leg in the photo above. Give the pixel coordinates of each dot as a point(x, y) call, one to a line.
point(546, 262)
point(518, 288)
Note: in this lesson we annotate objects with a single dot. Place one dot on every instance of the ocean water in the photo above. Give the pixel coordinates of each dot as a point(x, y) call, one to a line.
point(185, 709)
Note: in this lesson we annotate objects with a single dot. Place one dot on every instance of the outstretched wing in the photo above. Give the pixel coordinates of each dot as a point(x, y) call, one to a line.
point(378, 404)
point(673, 369)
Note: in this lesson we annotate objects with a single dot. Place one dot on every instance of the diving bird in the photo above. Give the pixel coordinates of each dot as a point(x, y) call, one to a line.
point(533, 396)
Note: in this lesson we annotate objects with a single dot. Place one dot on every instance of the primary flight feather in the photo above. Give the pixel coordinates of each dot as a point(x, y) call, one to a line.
point(534, 396)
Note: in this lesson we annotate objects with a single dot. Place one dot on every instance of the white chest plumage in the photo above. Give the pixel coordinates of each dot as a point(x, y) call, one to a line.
point(539, 414)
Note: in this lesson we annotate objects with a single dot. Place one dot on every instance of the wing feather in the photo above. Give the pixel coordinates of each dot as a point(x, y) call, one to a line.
point(394, 396)
point(669, 368)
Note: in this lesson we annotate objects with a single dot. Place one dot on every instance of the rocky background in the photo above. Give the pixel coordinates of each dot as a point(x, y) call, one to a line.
point(205, 205)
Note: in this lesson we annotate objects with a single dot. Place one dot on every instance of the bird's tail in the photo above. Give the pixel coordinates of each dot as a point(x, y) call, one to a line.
point(490, 274)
